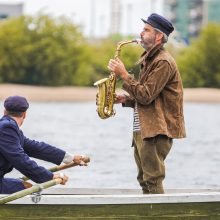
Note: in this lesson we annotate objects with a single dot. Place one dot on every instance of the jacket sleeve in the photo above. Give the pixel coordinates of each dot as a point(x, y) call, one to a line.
point(157, 79)
point(43, 151)
point(12, 150)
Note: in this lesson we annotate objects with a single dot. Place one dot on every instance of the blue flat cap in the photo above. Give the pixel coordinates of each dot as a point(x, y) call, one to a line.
point(16, 104)
point(159, 22)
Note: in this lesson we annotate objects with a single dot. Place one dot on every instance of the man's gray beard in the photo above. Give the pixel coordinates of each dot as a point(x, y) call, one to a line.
point(147, 48)
point(144, 46)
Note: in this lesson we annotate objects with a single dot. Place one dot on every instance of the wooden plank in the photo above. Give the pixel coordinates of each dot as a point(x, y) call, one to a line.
point(197, 205)
point(123, 199)
point(89, 191)
point(115, 191)
point(206, 211)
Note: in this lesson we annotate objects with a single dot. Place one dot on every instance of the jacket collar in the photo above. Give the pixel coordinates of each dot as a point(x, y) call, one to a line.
point(10, 119)
point(154, 51)
point(147, 55)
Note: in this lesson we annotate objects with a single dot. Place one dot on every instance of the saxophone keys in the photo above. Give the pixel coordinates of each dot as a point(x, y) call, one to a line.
point(107, 112)
point(97, 99)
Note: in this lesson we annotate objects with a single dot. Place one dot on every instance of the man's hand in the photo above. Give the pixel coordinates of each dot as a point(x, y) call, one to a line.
point(27, 185)
point(120, 99)
point(61, 176)
point(118, 68)
point(79, 159)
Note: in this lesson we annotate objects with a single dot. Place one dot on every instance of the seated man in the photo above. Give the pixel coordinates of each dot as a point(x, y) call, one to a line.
point(16, 150)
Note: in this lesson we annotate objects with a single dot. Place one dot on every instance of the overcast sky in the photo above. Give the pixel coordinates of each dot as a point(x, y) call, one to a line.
point(94, 15)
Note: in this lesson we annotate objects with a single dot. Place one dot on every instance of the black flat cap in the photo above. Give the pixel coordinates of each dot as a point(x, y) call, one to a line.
point(16, 104)
point(159, 22)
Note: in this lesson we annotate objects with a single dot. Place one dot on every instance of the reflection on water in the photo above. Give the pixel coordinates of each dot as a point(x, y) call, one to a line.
point(192, 163)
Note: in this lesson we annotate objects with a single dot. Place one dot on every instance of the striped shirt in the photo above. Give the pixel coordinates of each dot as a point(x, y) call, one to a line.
point(136, 123)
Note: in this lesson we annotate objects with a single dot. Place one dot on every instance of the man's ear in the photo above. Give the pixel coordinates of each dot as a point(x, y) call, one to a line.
point(24, 115)
point(159, 36)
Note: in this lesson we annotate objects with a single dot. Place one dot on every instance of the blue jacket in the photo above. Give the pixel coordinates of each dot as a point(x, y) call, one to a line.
point(16, 150)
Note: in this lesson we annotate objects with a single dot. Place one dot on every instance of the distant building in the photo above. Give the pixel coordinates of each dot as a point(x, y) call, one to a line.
point(189, 16)
point(10, 10)
point(212, 10)
point(115, 14)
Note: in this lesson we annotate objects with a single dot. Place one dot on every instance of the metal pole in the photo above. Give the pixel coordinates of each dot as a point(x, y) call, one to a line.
point(33, 189)
point(85, 160)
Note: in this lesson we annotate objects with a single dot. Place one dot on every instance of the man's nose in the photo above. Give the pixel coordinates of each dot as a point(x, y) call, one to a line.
point(141, 34)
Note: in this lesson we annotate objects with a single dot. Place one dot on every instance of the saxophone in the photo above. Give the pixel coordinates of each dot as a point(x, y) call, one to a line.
point(106, 88)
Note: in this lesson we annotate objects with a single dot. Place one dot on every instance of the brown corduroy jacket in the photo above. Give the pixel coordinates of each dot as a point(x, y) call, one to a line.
point(159, 95)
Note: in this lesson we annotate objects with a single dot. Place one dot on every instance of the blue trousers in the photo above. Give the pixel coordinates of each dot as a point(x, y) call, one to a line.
point(10, 185)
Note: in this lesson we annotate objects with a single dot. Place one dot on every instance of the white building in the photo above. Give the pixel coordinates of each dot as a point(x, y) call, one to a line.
point(98, 18)
point(11, 10)
point(120, 16)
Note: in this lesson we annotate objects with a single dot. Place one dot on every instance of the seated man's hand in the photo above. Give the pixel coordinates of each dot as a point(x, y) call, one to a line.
point(61, 176)
point(27, 184)
point(80, 160)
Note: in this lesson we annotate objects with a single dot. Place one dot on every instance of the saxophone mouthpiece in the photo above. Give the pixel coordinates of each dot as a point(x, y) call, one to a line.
point(138, 40)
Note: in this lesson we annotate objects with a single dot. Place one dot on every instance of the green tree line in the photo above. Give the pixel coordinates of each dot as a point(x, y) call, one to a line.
point(53, 51)
point(43, 50)
point(199, 63)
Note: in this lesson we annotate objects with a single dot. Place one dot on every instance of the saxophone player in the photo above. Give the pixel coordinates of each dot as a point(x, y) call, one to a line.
point(157, 99)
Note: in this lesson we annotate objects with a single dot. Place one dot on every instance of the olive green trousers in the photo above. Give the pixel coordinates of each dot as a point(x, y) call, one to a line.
point(150, 154)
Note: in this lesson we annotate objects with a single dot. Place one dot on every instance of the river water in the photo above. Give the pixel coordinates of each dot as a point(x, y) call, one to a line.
point(75, 127)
